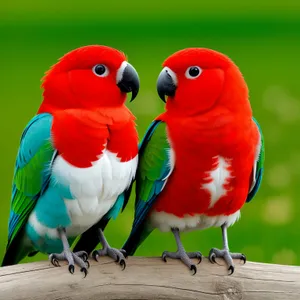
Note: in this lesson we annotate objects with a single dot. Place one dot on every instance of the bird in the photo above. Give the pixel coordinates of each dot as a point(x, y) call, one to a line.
point(200, 160)
point(77, 158)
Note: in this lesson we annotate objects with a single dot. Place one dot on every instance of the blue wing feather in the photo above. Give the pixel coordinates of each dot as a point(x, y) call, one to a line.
point(36, 132)
point(24, 197)
point(259, 166)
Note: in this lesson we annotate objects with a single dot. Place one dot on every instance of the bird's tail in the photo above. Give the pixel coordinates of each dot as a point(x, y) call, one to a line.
point(9, 259)
point(136, 238)
point(17, 249)
point(14, 253)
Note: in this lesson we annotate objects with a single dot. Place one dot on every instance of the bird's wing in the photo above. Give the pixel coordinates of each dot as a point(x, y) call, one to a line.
point(258, 167)
point(31, 177)
point(154, 168)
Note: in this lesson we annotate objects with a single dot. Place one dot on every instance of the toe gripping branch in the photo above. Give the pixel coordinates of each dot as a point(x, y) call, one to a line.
point(225, 254)
point(118, 256)
point(79, 258)
point(181, 254)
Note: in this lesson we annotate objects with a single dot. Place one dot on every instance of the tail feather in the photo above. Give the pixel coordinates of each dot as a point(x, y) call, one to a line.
point(14, 254)
point(18, 249)
point(9, 259)
point(136, 238)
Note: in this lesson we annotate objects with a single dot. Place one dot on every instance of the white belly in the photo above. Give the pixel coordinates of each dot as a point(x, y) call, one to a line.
point(165, 222)
point(94, 189)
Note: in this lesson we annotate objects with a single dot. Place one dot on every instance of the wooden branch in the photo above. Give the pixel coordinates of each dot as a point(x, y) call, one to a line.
point(150, 278)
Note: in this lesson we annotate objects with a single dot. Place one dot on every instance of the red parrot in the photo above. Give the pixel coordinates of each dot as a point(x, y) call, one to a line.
point(77, 158)
point(201, 159)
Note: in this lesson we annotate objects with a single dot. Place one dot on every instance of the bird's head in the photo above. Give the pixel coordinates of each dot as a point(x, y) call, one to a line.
point(195, 80)
point(89, 77)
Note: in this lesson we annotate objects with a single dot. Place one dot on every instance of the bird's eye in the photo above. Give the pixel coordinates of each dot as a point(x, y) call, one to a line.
point(193, 72)
point(100, 70)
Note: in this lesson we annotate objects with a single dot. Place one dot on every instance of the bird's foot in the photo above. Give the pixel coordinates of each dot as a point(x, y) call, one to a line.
point(227, 256)
point(79, 258)
point(185, 257)
point(117, 255)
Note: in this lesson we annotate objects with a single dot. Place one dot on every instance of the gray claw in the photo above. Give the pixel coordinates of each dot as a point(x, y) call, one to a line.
point(55, 262)
point(231, 270)
point(95, 255)
point(84, 270)
point(123, 264)
point(185, 257)
point(115, 254)
point(72, 259)
point(227, 257)
point(84, 257)
point(124, 253)
point(194, 268)
point(212, 258)
point(243, 258)
point(164, 257)
point(200, 260)
point(71, 269)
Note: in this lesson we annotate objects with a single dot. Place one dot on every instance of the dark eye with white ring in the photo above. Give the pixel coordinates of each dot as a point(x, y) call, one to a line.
point(100, 70)
point(193, 72)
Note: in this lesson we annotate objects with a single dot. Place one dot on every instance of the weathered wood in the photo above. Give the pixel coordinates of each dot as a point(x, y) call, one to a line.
point(150, 278)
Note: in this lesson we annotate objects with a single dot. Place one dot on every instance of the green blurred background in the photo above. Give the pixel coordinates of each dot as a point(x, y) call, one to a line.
point(262, 38)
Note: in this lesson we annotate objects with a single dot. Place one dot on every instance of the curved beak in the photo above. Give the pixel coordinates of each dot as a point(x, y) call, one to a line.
point(128, 80)
point(166, 83)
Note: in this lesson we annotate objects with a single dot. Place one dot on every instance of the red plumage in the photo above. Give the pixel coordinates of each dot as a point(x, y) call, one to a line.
point(208, 117)
point(80, 136)
point(88, 111)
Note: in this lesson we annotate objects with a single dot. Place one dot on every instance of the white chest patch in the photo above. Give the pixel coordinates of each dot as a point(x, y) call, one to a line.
point(95, 188)
point(218, 177)
point(165, 221)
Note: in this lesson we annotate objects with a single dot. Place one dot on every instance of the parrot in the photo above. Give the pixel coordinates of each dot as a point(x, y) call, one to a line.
point(77, 158)
point(201, 159)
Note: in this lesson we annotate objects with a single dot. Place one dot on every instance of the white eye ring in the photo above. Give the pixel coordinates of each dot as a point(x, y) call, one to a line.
point(100, 70)
point(193, 72)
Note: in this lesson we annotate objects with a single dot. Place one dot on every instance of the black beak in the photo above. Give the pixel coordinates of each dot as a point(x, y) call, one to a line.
point(165, 85)
point(129, 81)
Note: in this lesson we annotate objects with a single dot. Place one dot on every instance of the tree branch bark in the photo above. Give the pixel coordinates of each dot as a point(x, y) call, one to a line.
point(150, 278)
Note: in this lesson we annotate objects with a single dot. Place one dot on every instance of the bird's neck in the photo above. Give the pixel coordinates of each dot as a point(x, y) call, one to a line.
point(81, 136)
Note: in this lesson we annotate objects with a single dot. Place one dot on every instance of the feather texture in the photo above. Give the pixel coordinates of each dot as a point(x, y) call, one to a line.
point(31, 171)
point(258, 167)
point(154, 161)
point(153, 171)
point(30, 178)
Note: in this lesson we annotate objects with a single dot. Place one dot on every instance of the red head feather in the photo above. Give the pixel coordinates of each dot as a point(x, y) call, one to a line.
point(218, 82)
point(72, 83)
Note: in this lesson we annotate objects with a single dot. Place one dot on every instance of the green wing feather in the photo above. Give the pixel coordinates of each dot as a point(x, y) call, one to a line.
point(153, 170)
point(258, 166)
point(28, 182)
point(31, 177)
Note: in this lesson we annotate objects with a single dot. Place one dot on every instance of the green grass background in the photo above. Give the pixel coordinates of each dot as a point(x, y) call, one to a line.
point(262, 37)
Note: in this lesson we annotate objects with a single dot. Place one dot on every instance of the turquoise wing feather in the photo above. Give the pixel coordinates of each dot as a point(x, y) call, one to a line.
point(31, 176)
point(153, 171)
point(258, 167)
